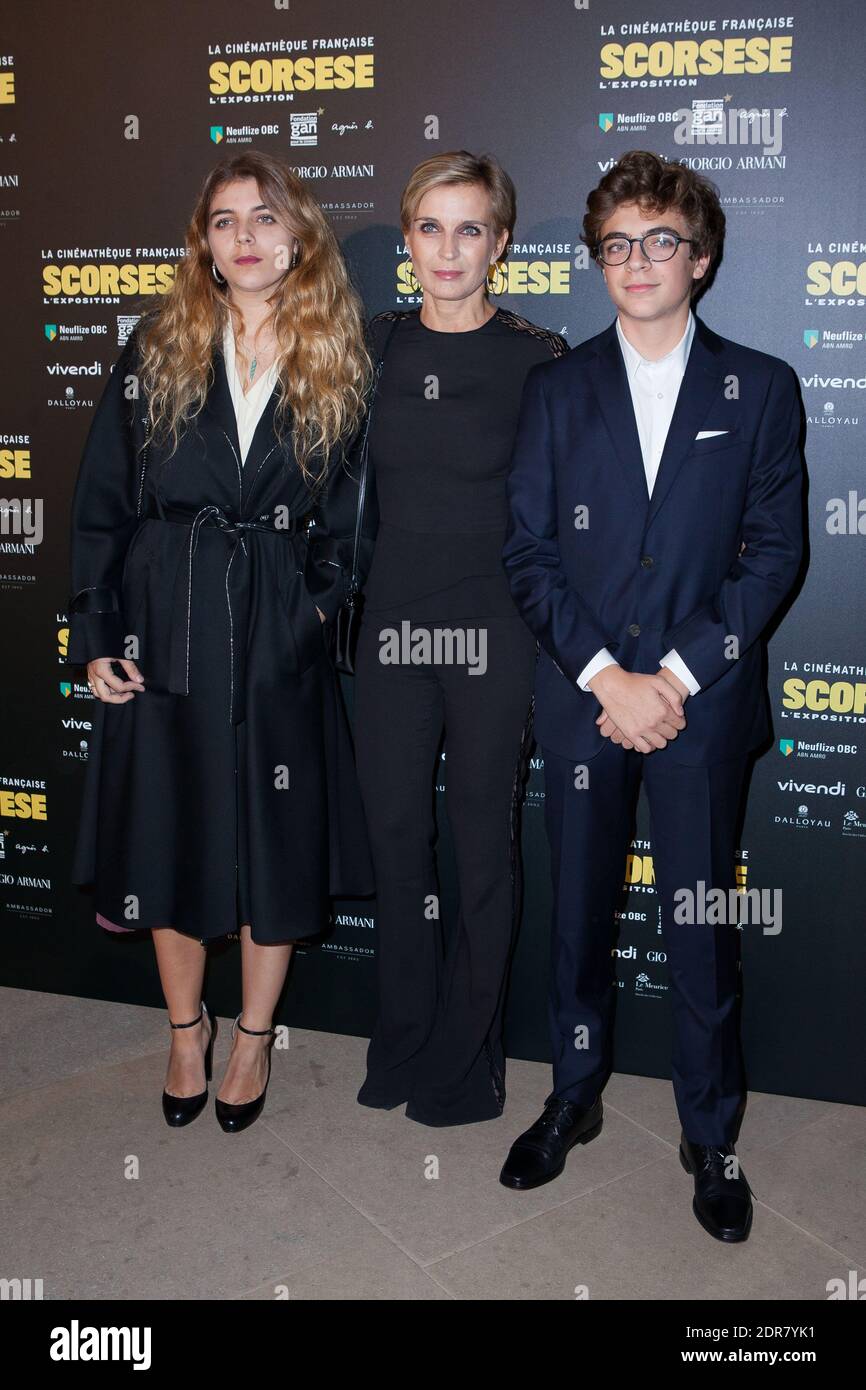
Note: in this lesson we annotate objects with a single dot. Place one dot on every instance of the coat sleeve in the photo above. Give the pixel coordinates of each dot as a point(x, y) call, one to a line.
point(331, 534)
point(328, 568)
point(720, 631)
point(566, 626)
point(104, 519)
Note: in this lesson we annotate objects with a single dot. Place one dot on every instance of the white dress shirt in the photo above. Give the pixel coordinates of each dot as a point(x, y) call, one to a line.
point(654, 387)
point(249, 407)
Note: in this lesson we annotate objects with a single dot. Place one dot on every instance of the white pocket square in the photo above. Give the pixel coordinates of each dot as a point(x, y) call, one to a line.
point(710, 434)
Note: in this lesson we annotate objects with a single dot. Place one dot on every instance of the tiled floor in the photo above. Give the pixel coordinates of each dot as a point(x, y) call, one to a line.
point(325, 1199)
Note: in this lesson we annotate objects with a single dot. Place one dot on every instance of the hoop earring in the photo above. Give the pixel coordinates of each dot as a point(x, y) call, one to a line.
point(220, 279)
point(296, 257)
point(498, 277)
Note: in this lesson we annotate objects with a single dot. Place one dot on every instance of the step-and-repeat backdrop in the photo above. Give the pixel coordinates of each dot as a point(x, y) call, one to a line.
point(111, 115)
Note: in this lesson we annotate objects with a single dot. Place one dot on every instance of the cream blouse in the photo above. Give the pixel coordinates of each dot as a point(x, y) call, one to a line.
point(249, 406)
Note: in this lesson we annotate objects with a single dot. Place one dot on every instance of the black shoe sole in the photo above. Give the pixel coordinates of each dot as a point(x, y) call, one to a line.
point(518, 1185)
point(730, 1235)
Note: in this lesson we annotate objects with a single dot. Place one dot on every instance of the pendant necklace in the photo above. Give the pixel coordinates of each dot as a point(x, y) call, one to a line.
point(253, 364)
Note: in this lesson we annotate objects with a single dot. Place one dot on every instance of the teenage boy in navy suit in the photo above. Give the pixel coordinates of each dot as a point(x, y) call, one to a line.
point(656, 526)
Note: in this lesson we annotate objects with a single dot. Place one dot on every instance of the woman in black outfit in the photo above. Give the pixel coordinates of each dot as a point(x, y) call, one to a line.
point(220, 795)
point(439, 447)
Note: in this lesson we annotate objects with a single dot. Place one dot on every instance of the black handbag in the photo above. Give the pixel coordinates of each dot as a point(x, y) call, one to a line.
point(347, 624)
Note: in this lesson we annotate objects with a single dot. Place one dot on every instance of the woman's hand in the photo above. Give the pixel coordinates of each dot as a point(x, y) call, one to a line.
point(108, 687)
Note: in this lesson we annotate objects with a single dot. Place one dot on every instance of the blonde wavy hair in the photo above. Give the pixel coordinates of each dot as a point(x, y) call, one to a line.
point(323, 366)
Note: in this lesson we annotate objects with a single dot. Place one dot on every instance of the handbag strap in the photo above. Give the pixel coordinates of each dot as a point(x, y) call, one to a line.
point(362, 484)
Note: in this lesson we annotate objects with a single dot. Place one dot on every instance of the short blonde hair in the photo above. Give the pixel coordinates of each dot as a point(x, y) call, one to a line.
point(459, 166)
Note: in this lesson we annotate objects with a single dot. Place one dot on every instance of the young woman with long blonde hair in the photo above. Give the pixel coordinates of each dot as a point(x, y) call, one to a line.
point(211, 521)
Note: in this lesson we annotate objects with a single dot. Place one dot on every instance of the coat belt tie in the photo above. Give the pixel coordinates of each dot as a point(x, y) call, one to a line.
point(237, 589)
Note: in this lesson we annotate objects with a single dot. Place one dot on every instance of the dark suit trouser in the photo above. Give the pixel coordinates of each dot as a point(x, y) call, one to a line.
point(438, 1036)
point(693, 814)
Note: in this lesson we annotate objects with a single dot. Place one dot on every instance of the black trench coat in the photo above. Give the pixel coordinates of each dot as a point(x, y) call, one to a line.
point(225, 792)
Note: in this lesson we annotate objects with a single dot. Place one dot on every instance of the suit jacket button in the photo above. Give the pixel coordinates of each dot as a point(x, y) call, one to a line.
point(634, 629)
point(646, 561)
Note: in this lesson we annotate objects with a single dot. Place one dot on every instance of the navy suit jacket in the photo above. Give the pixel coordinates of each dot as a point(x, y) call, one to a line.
point(593, 561)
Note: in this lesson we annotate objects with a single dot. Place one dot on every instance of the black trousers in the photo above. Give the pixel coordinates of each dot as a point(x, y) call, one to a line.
point(694, 816)
point(438, 1039)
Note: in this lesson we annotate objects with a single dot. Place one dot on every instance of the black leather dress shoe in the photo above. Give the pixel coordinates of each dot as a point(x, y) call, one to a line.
point(539, 1155)
point(722, 1204)
point(182, 1110)
point(234, 1118)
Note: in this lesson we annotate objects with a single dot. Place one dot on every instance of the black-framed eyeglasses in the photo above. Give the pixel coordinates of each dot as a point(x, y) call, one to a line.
point(656, 246)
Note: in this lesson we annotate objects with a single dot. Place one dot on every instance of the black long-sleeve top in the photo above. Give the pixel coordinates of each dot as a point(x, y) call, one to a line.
point(439, 450)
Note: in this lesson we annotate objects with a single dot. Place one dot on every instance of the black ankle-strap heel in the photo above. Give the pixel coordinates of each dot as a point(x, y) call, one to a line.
point(234, 1118)
point(181, 1110)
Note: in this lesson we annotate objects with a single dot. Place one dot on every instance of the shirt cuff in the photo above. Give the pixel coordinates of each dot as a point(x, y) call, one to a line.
point(592, 668)
point(679, 668)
